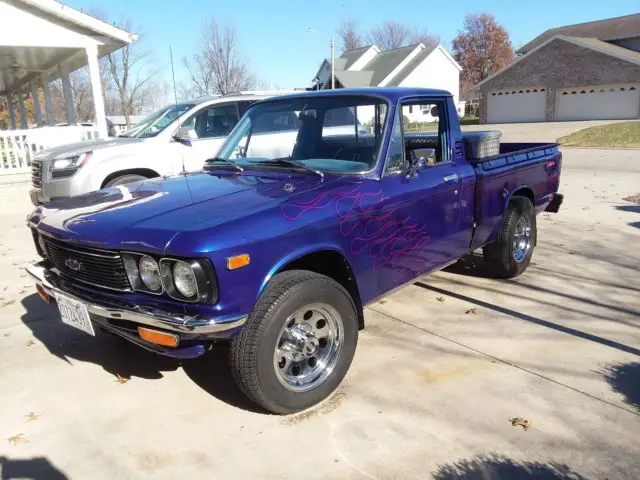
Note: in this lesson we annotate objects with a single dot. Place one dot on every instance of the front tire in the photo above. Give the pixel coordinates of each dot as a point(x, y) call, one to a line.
point(298, 343)
point(509, 255)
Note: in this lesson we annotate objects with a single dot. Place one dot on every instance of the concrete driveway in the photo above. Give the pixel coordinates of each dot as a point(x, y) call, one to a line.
point(441, 368)
point(537, 132)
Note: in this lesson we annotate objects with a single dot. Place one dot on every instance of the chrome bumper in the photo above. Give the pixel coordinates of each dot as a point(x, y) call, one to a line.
point(141, 315)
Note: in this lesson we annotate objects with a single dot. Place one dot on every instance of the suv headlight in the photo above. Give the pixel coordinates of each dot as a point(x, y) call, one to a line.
point(65, 167)
point(182, 279)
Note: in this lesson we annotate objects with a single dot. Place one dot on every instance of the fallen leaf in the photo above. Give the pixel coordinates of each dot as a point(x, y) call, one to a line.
point(21, 292)
point(30, 343)
point(440, 299)
point(382, 302)
point(120, 379)
point(32, 417)
point(520, 422)
point(6, 334)
point(6, 304)
point(471, 311)
point(16, 439)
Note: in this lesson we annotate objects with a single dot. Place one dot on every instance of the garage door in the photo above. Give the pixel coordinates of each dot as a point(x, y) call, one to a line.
point(598, 103)
point(521, 105)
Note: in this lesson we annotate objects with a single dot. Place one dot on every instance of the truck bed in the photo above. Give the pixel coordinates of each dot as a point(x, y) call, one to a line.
point(530, 169)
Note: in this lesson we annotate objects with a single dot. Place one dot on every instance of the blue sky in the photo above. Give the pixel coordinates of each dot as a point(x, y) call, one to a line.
point(273, 37)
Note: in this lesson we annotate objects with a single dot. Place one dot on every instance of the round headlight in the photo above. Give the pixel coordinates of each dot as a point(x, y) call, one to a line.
point(149, 273)
point(184, 280)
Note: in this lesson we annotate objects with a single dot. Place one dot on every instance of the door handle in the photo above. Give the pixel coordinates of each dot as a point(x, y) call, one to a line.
point(451, 178)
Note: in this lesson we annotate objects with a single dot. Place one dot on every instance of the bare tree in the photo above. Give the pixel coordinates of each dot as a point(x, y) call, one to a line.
point(392, 34)
point(218, 68)
point(482, 47)
point(349, 35)
point(130, 71)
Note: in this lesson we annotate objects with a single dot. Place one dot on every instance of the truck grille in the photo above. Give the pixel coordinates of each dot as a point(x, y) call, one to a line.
point(36, 173)
point(99, 268)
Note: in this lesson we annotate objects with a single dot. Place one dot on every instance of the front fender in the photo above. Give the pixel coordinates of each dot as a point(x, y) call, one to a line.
point(295, 255)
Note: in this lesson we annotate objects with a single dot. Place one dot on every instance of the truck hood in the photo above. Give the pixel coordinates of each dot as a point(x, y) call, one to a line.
point(73, 149)
point(147, 215)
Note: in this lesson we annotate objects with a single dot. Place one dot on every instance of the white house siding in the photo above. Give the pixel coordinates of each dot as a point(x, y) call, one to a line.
point(435, 71)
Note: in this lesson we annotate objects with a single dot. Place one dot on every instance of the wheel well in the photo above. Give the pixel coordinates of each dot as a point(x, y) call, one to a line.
point(333, 265)
point(525, 192)
point(145, 172)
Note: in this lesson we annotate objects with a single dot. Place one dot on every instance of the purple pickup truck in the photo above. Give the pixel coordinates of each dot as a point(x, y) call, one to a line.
point(290, 231)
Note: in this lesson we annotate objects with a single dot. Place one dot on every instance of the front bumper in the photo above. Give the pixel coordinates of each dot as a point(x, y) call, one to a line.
point(124, 321)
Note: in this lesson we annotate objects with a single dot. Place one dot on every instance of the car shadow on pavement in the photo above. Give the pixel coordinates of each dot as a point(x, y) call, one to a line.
point(115, 355)
point(470, 265)
point(119, 357)
point(624, 378)
point(529, 318)
point(35, 468)
point(211, 372)
point(499, 467)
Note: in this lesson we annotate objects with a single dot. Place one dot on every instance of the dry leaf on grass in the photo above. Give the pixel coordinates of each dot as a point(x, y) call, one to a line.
point(32, 417)
point(440, 299)
point(16, 439)
point(120, 379)
point(471, 311)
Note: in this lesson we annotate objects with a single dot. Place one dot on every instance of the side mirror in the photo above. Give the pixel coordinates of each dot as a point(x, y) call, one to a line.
point(183, 135)
point(418, 164)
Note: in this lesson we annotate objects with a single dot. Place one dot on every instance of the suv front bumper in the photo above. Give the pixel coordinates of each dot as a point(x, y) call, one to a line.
point(124, 321)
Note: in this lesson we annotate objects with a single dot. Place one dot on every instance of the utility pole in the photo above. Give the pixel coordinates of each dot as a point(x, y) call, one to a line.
point(333, 61)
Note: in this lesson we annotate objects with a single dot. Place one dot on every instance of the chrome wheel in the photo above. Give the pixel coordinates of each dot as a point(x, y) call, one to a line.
point(522, 239)
point(308, 347)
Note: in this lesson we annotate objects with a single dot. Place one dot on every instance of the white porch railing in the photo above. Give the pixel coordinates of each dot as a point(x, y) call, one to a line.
point(18, 147)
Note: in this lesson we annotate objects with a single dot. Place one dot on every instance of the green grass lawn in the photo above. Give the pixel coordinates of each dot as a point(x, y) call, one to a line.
point(624, 134)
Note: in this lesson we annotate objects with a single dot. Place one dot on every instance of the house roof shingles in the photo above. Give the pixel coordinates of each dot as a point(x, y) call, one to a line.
point(607, 48)
point(385, 62)
point(609, 29)
point(351, 79)
point(411, 66)
point(350, 56)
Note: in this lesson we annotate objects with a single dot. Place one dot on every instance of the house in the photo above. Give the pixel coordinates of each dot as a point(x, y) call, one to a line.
point(118, 123)
point(411, 66)
point(588, 71)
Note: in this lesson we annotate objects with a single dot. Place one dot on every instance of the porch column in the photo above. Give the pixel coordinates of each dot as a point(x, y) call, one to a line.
point(96, 89)
point(12, 115)
point(23, 111)
point(48, 103)
point(68, 99)
point(35, 98)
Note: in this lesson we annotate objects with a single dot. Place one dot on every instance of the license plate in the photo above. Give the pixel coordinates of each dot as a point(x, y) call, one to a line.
point(74, 313)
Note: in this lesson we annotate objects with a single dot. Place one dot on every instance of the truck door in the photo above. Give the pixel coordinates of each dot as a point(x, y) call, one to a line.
point(422, 207)
point(208, 129)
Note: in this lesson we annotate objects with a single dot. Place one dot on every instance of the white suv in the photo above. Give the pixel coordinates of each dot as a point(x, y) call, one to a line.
point(174, 139)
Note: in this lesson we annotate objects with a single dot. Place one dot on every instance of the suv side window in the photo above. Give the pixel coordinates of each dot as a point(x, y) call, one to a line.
point(214, 121)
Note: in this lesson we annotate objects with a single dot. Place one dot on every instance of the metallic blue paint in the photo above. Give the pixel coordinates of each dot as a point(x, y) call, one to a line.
point(389, 228)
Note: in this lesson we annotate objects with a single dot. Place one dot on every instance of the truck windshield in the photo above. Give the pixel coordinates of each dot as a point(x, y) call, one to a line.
point(341, 133)
point(157, 121)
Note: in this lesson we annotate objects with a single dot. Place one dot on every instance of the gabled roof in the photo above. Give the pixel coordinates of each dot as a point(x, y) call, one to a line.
point(385, 62)
point(350, 56)
point(609, 29)
point(591, 43)
point(351, 79)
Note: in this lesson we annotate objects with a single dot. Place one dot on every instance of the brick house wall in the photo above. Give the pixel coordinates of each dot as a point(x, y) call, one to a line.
point(560, 64)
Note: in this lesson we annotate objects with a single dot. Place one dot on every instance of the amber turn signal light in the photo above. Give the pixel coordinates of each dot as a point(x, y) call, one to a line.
point(238, 261)
point(43, 295)
point(159, 338)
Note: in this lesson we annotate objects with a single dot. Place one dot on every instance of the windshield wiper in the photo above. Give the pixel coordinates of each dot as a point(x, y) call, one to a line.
point(210, 161)
point(293, 163)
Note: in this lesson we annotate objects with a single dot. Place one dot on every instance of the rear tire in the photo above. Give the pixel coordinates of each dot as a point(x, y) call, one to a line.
point(125, 179)
point(509, 255)
point(298, 343)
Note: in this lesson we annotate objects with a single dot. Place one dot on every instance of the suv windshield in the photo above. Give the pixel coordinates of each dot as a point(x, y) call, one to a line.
point(327, 133)
point(157, 121)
